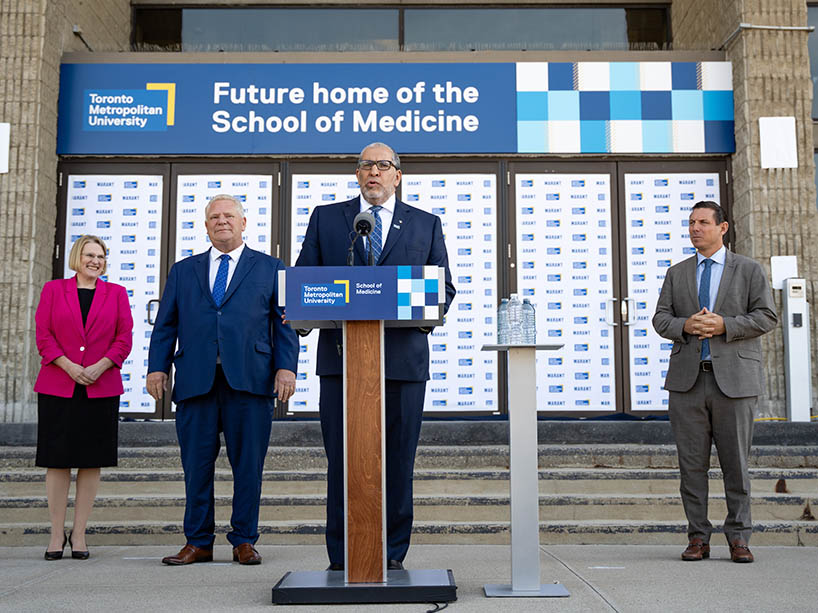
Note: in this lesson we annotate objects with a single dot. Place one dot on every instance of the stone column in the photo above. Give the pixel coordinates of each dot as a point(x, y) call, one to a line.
point(33, 36)
point(773, 210)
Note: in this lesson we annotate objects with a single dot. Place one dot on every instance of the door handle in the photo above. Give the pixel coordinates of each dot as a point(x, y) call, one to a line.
point(609, 312)
point(626, 310)
point(150, 310)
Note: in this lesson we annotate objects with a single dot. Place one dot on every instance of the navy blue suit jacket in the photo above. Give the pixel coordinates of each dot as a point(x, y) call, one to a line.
point(246, 331)
point(416, 239)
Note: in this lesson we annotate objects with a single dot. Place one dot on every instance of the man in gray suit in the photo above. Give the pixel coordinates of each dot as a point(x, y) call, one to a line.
point(714, 306)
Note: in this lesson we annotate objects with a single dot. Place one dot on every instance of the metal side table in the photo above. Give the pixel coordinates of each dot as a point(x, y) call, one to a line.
point(524, 478)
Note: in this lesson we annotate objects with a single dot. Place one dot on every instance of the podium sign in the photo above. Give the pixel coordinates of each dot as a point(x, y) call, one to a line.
point(397, 295)
point(364, 299)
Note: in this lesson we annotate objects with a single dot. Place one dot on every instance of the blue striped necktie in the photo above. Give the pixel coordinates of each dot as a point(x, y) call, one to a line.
point(704, 300)
point(375, 237)
point(220, 284)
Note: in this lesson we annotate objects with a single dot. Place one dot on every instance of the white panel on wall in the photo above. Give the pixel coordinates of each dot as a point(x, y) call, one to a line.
point(564, 266)
point(657, 211)
point(125, 211)
point(309, 191)
point(193, 192)
point(463, 378)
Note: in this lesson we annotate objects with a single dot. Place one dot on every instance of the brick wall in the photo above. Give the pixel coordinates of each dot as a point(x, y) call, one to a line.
point(774, 210)
point(33, 36)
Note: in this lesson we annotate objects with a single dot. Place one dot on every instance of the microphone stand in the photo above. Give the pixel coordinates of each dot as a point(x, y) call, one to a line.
point(351, 250)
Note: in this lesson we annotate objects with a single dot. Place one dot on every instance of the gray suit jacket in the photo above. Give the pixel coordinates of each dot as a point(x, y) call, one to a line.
point(744, 301)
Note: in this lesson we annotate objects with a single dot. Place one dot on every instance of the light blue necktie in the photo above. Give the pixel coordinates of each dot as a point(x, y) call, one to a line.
point(375, 237)
point(704, 300)
point(220, 284)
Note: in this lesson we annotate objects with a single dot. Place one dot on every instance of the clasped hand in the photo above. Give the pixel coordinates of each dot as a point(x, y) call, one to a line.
point(88, 374)
point(704, 324)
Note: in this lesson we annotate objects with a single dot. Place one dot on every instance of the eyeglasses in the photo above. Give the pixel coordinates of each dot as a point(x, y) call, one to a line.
point(91, 256)
point(381, 164)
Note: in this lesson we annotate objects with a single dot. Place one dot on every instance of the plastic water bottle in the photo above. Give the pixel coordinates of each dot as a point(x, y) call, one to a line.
point(502, 322)
point(529, 323)
point(515, 320)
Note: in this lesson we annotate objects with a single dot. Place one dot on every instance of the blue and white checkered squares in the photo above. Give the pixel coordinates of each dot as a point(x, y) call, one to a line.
point(625, 107)
point(418, 292)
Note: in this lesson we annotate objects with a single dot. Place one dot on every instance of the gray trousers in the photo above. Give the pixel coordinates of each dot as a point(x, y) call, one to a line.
point(699, 416)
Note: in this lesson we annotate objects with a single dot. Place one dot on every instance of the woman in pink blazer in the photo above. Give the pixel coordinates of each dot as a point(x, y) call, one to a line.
point(84, 330)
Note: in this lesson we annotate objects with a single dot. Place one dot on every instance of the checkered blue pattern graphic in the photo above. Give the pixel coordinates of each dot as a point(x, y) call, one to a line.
point(418, 292)
point(625, 107)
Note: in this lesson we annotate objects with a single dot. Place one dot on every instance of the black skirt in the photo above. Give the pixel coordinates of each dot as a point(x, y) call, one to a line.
point(77, 432)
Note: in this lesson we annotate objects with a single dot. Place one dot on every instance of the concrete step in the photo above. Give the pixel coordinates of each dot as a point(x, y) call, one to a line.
point(553, 507)
point(613, 481)
point(454, 457)
point(782, 533)
point(461, 494)
point(479, 432)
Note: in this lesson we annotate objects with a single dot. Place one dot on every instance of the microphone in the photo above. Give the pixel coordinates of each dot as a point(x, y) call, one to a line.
point(364, 223)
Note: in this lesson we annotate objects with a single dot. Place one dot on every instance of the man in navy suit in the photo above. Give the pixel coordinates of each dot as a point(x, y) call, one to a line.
point(235, 355)
point(403, 235)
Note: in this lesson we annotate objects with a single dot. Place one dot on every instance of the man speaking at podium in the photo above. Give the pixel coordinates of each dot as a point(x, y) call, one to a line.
point(402, 235)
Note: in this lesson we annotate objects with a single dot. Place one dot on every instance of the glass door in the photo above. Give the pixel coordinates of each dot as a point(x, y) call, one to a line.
point(123, 204)
point(657, 202)
point(309, 186)
point(464, 379)
point(563, 262)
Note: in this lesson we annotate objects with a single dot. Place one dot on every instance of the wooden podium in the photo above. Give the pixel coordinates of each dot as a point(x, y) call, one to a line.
point(363, 301)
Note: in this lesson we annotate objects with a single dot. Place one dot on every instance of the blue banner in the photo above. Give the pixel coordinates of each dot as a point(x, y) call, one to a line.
point(524, 107)
point(286, 108)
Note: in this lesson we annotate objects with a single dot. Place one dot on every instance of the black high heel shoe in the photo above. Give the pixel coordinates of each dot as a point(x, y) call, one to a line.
point(77, 555)
point(56, 555)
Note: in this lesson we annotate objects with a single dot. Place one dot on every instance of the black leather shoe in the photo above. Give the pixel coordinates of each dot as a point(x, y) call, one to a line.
point(335, 566)
point(56, 555)
point(77, 555)
point(394, 565)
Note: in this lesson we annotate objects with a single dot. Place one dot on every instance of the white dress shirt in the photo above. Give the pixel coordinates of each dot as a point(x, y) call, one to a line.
point(716, 271)
point(234, 256)
point(386, 214)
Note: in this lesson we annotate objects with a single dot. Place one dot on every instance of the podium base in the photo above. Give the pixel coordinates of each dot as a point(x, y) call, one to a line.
point(328, 587)
point(547, 590)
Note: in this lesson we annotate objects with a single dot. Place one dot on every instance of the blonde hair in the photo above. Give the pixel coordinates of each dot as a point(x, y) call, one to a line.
point(236, 202)
point(75, 257)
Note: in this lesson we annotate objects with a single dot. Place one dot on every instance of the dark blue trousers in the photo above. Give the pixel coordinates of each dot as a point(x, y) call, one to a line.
point(245, 419)
point(404, 415)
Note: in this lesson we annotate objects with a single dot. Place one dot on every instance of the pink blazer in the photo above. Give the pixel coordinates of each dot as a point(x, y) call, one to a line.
point(107, 333)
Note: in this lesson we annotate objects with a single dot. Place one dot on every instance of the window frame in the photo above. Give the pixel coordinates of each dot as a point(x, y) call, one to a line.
point(401, 9)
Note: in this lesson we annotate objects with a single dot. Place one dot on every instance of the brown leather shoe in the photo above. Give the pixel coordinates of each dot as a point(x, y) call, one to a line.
point(246, 554)
point(696, 550)
point(190, 554)
point(739, 552)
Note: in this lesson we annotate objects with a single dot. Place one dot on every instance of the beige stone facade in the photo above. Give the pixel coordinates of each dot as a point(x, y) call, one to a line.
point(33, 36)
point(774, 211)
